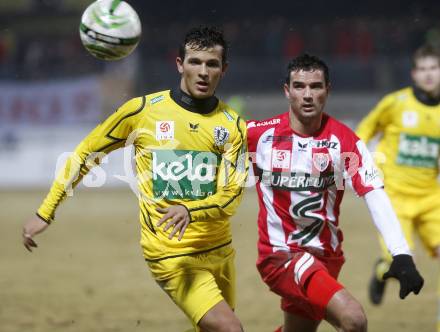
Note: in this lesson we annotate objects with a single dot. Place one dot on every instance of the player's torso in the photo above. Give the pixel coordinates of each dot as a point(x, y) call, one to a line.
point(177, 155)
point(298, 192)
point(410, 145)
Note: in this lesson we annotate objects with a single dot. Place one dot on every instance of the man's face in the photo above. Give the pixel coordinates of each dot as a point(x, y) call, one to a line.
point(201, 71)
point(426, 74)
point(307, 93)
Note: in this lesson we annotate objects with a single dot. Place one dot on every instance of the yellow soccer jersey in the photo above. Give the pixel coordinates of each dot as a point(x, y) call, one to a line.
point(410, 141)
point(182, 157)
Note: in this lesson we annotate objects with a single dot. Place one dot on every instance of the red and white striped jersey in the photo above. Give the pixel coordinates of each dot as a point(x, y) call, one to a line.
point(301, 180)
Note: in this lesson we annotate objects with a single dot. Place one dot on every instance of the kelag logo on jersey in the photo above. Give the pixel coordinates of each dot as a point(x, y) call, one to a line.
point(184, 174)
point(418, 151)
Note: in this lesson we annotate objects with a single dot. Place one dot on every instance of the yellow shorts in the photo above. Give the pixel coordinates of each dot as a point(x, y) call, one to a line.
point(198, 282)
point(418, 214)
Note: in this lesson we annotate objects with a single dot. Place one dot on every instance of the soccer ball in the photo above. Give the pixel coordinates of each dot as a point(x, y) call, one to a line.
point(110, 29)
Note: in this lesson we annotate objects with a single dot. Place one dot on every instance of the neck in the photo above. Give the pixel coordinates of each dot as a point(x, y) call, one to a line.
point(427, 98)
point(306, 127)
point(185, 100)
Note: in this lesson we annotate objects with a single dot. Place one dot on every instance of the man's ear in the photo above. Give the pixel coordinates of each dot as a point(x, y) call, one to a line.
point(286, 90)
point(179, 64)
point(224, 68)
point(413, 74)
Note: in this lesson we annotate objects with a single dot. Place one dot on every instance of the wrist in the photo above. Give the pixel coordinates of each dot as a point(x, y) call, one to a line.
point(187, 210)
point(47, 221)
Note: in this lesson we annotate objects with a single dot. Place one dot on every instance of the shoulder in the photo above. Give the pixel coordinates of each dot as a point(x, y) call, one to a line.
point(344, 134)
point(157, 97)
point(229, 118)
point(256, 129)
point(228, 114)
point(132, 106)
point(260, 126)
point(396, 97)
point(139, 104)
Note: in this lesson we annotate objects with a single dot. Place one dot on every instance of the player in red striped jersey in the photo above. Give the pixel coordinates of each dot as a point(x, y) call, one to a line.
point(302, 160)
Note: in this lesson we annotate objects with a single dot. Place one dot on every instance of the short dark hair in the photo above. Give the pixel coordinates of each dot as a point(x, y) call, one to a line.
point(203, 37)
point(309, 63)
point(425, 51)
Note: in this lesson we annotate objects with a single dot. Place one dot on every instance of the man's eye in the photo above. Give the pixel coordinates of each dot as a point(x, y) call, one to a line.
point(213, 64)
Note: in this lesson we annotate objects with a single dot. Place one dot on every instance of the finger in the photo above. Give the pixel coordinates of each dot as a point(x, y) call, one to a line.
point(416, 286)
point(164, 218)
point(27, 246)
point(387, 275)
point(172, 222)
point(28, 239)
point(182, 230)
point(419, 286)
point(29, 243)
point(403, 289)
point(177, 227)
point(162, 210)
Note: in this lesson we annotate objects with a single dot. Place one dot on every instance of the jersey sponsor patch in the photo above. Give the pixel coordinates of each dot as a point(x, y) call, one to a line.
point(370, 176)
point(418, 151)
point(252, 124)
point(164, 130)
point(324, 143)
point(273, 138)
point(312, 223)
point(281, 159)
point(156, 99)
point(410, 119)
point(228, 116)
point(297, 181)
point(183, 174)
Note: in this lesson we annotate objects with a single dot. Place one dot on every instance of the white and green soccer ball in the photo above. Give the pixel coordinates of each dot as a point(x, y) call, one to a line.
point(110, 29)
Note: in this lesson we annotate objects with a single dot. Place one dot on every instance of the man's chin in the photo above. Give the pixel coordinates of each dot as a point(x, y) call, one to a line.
point(201, 94)
point(310, 114)
point(431, 88)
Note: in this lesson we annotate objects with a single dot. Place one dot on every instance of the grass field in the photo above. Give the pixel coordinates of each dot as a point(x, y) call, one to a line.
point(88, 273)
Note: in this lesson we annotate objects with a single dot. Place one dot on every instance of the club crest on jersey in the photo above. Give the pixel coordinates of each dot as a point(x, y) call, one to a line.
point(410, 119)
point(221, 135)
point(164, 130)
point(281, 159)
point(321, 161)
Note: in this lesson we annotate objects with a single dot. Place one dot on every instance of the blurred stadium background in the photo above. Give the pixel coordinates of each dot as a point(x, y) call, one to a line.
point(88, 274)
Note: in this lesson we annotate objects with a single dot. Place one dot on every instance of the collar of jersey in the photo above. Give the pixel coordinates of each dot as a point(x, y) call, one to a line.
point(424, 98)
point(201, 106)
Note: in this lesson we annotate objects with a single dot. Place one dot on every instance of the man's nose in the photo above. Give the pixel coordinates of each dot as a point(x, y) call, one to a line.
point(203, 71)
point(307, 93)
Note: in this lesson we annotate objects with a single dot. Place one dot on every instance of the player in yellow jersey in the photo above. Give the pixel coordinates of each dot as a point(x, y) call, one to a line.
point(190, 152)
point(409, 122)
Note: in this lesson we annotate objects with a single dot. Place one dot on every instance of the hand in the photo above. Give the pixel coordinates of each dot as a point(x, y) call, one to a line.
point(34, 226)
point(180, 219)
point(403, 269)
